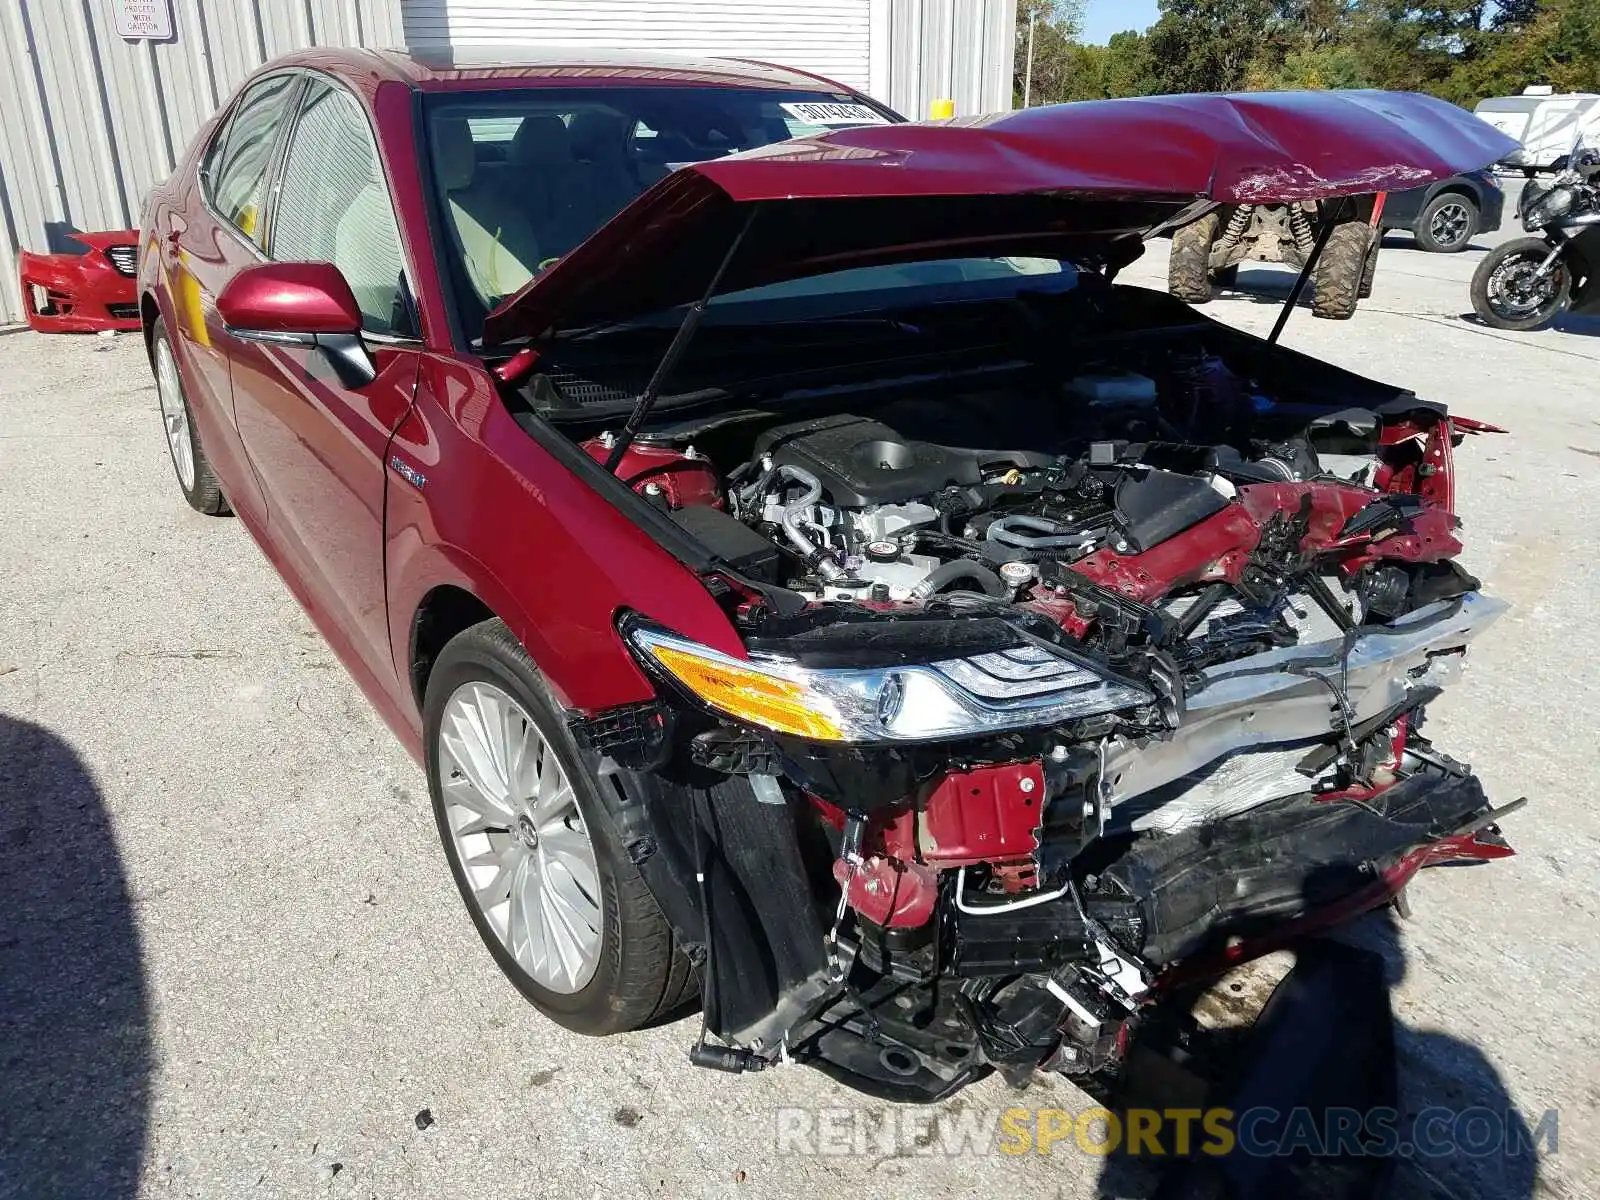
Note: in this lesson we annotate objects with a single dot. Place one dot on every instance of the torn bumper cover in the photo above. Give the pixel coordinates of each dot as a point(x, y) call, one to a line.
point(1026, 914)
point(83, 293)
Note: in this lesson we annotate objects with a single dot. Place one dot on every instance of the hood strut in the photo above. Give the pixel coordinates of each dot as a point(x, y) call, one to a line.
point(1305, 272)
point(675, 348)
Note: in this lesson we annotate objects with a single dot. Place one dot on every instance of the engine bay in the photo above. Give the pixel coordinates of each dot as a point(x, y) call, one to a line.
point(1111, 503)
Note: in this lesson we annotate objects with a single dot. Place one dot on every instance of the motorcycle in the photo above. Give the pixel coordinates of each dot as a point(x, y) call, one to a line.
point(1528, 282)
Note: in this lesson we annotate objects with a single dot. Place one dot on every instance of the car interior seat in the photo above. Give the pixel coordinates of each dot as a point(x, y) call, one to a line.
point(490, 220)
point(600, 154)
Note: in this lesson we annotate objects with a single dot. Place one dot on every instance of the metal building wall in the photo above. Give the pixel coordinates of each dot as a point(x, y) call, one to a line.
point(88, 121)
point(829, 37)
point(927, 50)
point(917, 51)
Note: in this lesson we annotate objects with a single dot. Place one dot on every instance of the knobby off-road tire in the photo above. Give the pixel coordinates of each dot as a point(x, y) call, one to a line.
point(1371, 271)
point(1189, 267)
point(638, 973)
point(1340, 271)
point(196, 480)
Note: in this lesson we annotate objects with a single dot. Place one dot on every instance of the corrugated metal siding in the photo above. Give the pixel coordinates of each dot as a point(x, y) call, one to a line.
point(905, 52)
point(829, 37)
point(88, 121)
point(948, 49)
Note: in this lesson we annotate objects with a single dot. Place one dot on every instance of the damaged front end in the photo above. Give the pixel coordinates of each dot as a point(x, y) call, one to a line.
point(917, 838)
point(1086, 644)
point(83, 293)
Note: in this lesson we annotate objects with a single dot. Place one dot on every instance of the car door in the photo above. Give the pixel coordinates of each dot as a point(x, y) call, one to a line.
point(215, 233)
point(318, 445)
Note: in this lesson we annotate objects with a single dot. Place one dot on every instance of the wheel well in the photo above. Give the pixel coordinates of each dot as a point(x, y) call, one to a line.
point(444, 612)
point(149, 310)
point(1456, 189)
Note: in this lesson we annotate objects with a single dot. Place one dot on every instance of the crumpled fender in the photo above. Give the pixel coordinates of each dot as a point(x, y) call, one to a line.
point(80, 290)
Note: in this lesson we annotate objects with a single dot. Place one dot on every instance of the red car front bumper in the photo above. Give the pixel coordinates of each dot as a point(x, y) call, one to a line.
point(83, 293)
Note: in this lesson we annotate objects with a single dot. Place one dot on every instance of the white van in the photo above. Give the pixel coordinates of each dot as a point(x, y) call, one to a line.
point(1542, 121)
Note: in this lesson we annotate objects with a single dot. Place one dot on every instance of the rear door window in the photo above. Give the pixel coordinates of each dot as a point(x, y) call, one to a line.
point(236, 170)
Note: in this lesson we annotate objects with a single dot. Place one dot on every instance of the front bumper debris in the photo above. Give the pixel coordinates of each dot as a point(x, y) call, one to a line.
point(83, 293)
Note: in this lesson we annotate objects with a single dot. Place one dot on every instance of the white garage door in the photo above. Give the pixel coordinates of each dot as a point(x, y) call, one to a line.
point(830, 37)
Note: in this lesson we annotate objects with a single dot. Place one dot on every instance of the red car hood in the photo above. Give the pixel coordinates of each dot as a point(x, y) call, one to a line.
point(1087, 181)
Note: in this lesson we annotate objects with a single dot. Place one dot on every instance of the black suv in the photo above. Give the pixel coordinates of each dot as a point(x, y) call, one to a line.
point(1445, 216)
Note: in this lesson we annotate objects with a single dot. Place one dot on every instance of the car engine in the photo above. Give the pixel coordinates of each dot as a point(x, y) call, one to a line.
point(876, 516)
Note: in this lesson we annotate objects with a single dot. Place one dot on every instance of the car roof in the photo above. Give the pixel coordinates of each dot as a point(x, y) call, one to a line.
point(473, 67)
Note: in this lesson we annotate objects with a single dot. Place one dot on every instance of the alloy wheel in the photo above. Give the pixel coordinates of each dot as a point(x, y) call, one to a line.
point(174, 415)
point(520, 837)
point(1451, 224)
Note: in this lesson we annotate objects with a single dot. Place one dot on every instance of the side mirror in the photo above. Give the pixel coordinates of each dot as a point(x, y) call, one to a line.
point(299, 304)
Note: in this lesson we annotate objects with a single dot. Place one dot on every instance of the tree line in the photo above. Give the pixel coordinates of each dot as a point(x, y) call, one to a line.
point(1458, 50)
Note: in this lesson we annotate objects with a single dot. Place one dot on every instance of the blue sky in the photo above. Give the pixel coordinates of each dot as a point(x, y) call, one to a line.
point(1102, 18)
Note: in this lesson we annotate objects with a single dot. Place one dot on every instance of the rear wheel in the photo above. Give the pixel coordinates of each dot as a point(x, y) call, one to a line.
point(189, 462)
point(1189, 267)
point(1447, 223)
point(533, 851)
point(1340, 271)
point(1506, 290)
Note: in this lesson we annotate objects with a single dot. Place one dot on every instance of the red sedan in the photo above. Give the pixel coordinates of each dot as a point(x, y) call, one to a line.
point(805, 576)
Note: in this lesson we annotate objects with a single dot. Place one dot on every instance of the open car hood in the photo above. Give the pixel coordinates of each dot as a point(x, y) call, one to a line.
point(1086, 181)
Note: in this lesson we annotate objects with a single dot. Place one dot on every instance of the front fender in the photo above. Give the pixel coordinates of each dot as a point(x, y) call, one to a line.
point(475, 502)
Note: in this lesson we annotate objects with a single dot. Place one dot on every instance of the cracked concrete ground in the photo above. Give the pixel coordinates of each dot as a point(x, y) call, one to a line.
point(232, 962)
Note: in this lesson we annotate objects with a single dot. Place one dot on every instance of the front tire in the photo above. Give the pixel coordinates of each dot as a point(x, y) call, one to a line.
point(532, 849)
point(1189, 267)
point(196, 480)
point(1447, 223)
point(1504, 295)
point(1341, 269)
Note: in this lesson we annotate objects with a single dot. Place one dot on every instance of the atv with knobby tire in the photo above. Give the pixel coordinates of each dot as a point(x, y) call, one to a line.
point(1206, 253)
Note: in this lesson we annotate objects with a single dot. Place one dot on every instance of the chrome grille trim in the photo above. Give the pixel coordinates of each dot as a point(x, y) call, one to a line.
point(125, 259)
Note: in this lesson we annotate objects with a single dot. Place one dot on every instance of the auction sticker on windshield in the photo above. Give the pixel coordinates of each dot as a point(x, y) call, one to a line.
point(830, 114)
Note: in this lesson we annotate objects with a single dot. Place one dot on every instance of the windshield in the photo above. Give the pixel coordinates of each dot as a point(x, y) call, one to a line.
point(522, 176)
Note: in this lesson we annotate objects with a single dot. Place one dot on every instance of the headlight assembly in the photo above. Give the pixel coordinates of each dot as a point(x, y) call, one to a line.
point(1548, 206)
point(1018, 688)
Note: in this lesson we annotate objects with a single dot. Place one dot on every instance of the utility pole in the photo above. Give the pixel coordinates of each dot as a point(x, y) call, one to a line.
point(1027, 71)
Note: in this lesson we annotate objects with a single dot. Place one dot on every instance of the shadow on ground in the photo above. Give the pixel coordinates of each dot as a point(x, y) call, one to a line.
point(75, 1049)
point(1404, 241)
point(1333, 1043)
point(1587, 325)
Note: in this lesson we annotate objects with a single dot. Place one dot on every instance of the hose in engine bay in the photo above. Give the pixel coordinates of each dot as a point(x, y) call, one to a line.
point(961, 568)
point(795, 511)
point(1043, 534)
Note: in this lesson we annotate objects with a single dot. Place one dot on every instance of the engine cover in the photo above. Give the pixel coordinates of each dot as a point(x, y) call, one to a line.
point(861, 462)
